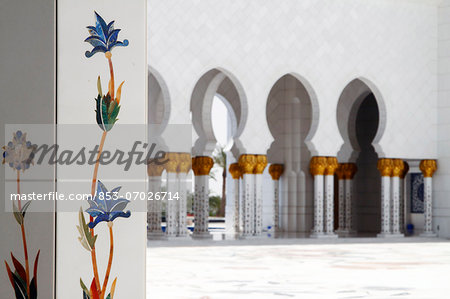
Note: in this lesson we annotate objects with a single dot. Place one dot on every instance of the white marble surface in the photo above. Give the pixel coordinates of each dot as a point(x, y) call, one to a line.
point(299, 268)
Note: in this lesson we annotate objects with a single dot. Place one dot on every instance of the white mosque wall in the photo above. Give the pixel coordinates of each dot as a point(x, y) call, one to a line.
point(441, 206)
point(389, 44)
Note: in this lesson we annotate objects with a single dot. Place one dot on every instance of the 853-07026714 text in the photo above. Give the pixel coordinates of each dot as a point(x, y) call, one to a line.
point(60, 196)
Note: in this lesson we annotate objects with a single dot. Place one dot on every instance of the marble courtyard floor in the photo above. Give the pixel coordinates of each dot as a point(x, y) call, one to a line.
point(299, 268)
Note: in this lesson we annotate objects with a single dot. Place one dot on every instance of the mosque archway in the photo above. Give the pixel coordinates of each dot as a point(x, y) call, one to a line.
point(361, 121)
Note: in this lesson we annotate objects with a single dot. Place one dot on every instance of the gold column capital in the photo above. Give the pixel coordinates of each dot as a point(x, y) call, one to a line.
point(202, 165)
point(332, 165)
point(172, 164)
point(247, 163)
point(276, 170)
point(385, 166)
point(317, 165)
point(261, 163)
point(154, 169)
point(340, 171)
point(405, 170)
point(184, 162)
point(398, 167)
point(235, 171)
point(428, 167)
point(350, 170)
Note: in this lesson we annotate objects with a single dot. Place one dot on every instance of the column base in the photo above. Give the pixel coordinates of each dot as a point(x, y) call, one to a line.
point(156, 236)
point(201, 236)
point(428, 235)
point(183, 236)
point(345, 233)
point(390, 235)
point(315, 235)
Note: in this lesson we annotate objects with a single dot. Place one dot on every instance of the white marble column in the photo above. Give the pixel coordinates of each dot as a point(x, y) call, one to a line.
point(241, 203)
point(275, 171)
point(182, 205)
point(247, 164)
point(396, 206)
point(332, 165)
point(261, 163)
point(397, 171)
point(341, 199)
point(232, 214)
point(172, 205)
point(317, 169)
point(248, 208)
point(258, 205)
point(341, 203)
point(350, 170)
point(184, 165)
point(385, 167)
point(348, 183)
point(201, 167)
point(154, 207)
point(329, 204)
point(428, 167)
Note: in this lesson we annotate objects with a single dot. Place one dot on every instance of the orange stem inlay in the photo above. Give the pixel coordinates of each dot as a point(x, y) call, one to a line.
point(111, 253)
point(94, 180)
point(24, 240)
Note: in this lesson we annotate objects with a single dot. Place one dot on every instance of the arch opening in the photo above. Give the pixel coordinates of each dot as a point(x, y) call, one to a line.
point(361, 121)
point(217, 84)
point(218, 112)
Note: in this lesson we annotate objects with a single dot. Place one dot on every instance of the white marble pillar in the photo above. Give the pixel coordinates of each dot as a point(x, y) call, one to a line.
point(232, 214)
point(258, 205)
point(332, 165)
point(261, 163)
point(402, 205)
point(350, 170)
point(248, 208)
point(329, 203)
point(341, 203)
point(241, 203)
point(172, 205)
point(201, 166)
point(154, 207)
point(348, 183)
point(182, 205)
point(318, 205)
point(184, 165)
point(385, 167)
point(428, 167)
point(396, 206)
point(317, 169)
point(275, 171)
point(397, 172)
point(247, 164)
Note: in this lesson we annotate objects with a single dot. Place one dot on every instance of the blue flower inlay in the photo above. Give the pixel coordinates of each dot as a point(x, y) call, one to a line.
point(103, 37)
point(105, 207)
